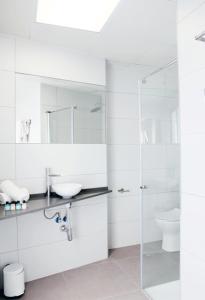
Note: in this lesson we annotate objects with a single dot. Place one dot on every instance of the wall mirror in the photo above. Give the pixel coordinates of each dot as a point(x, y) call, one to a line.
point(58, 111)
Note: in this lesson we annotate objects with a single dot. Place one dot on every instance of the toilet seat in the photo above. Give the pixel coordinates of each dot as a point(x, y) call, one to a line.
point(172, 215)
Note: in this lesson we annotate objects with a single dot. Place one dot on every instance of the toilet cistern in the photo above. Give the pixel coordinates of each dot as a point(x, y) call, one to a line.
point(48, 181)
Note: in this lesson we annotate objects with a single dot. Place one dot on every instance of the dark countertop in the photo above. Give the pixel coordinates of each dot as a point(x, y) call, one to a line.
point(39, 202)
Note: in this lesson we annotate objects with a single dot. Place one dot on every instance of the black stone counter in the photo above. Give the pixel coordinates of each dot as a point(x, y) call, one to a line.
point(39, 202)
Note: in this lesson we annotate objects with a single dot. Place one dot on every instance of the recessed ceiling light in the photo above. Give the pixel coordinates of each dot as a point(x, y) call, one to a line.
point(80, 14)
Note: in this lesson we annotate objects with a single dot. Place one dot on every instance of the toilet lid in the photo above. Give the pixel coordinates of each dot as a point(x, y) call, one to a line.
point(170, 215)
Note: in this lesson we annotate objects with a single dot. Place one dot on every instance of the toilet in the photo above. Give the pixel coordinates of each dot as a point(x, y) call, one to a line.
point(169, 223)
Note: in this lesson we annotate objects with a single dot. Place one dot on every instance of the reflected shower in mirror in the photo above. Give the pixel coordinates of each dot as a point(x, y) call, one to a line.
point(58, 112)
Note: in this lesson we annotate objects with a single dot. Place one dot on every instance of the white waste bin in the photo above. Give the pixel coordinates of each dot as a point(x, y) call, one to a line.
point(13, 275)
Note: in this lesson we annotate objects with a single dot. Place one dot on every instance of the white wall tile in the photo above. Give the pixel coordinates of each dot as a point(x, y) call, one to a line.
point(7, 53)
point(123, 209)
point(7, 161)
point(31, 160)
point(153, 157)
point(8, 233)
point(123, 157)
point(87, 220)
point(7, 125)
point(34, 229)
point(120, 105)
point(169, 200)
point(12, 10)
point(58, 257)
point(192, 114)
point(191, 66)
point(172, 156)
point(193, 222)
point(186, 7)
point(192, 277)
point(156, 180)
point(123, 77)
point(53, 61)
point(7, 88)
point(124, 234)
point(193, 164)
point(123, 131)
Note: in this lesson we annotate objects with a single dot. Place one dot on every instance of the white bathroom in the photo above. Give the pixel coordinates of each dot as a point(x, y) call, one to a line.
point(102, 149)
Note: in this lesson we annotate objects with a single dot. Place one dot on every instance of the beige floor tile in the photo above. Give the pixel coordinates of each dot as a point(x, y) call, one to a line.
point(130, 296)
point(51, 288)
point(116, 278)
point(130, 267)
point(97, 281)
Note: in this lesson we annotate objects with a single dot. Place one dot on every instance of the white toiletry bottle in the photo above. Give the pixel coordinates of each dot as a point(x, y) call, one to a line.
point(24, 205)
point(13, 206)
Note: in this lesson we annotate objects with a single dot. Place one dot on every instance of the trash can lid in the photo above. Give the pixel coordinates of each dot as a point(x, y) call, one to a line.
point(13, 268)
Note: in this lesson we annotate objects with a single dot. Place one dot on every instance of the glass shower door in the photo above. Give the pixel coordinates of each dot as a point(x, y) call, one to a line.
point(61, 126)
point(159, 173)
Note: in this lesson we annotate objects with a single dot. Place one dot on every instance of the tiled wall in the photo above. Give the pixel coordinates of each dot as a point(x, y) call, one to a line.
point(33, 240)
point(191, 22)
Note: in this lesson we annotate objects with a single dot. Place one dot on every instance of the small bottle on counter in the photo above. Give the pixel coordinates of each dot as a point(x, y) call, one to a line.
point(13, 206)
point(24, 205)
point(18, 205)
point(7, 206)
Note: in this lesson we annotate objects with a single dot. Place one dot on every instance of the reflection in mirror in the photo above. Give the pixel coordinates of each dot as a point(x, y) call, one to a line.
point(58, 112)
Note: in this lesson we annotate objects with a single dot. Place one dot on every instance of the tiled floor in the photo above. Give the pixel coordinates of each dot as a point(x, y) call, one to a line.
point(159, 266)
point(114, 279)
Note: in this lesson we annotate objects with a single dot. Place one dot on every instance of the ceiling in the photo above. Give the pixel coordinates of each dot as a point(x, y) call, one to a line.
point(139, 31)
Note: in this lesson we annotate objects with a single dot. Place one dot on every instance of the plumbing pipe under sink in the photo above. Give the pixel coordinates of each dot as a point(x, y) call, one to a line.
point(68, 228)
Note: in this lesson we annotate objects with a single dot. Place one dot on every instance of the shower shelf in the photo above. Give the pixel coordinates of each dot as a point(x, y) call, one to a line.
point(40, 202)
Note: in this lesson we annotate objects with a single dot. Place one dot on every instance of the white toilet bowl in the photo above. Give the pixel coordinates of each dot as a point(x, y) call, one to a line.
point(169, 223)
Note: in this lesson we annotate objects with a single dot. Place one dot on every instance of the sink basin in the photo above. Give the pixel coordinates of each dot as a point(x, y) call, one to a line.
point(67, 190)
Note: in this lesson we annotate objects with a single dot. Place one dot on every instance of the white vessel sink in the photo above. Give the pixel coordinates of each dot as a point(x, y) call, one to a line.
point(67, 190)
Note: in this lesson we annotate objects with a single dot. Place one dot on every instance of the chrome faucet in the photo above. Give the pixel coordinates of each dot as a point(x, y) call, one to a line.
point(48, 181)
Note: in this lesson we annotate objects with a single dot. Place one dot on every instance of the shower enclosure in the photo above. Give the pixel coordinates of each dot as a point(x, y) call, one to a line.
point(159, 178)
point(60, 125)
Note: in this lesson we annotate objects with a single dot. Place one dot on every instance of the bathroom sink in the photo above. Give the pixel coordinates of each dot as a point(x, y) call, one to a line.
point(67, 190)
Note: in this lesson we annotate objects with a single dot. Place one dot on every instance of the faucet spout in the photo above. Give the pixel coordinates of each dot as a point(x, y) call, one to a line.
point(48, 182)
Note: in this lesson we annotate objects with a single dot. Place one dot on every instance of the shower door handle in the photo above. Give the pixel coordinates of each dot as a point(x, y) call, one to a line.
point(122, 190)
point(143, 187)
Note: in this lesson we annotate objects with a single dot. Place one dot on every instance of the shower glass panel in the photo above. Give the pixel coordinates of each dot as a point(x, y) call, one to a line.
point(61, 126)
point(159, 173)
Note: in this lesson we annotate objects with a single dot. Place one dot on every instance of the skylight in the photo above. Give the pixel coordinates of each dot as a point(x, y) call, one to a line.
point(80, 14)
